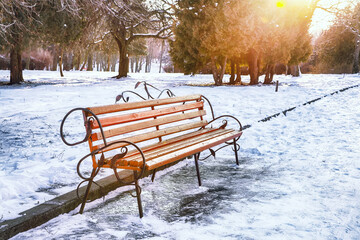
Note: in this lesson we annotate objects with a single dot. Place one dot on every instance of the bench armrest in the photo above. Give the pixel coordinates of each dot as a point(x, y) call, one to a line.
point(87, 123)
point(225, 122)
point(123, 151)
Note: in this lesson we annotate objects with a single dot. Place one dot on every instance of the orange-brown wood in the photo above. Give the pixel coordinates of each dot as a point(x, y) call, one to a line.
point(142, 104)
point(167, 142)
point(171, 141)
point(165, 151)
point(168, 158)
point(145, 114)
point(151, 135)
point(155, 153)
point(147, 124)
point(157, 126)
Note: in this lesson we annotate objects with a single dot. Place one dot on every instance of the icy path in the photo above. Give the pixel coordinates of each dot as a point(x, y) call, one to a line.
point(299, 177)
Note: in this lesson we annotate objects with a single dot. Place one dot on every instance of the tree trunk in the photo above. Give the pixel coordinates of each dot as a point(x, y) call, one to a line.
point(84, 63)
point(218, 74)
point(295, 70)
point(252, 59)
point(108, 63)
point(28, 60)
point(90, 62)
point(16, 75)
point(269, 75)
point(238, 73)
point(272, 72)
point(67, 61)
point(148, 64)
point(55, 59)
point(232, 76)
point(123, 59)
point(136, 64)
point(161, 55)
point(113, 64)
point(132, 64)
point(140, 63)
point(77, 59)
point(258, 63)
point(356, 54)
point(61, 63)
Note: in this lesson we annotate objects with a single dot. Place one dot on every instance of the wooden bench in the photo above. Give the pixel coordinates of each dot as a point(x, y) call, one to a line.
point(143, 136)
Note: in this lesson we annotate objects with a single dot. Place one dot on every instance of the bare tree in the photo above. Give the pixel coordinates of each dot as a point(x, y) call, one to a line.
point(130, 20)
point(17, 19)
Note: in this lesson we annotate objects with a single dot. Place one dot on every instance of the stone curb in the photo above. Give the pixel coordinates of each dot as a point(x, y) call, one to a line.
point(65, 203)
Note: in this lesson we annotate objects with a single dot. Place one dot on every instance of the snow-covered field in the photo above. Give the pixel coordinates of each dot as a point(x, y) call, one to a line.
point(299, 176)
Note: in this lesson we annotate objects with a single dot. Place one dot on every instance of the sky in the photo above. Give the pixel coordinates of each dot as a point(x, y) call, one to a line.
point(322, 20)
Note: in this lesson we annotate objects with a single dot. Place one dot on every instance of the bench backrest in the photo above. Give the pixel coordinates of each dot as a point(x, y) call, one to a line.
point(142, 121)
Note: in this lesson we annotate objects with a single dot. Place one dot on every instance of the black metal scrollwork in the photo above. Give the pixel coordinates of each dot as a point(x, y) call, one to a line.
point(101, 161)
point(223, 126)
point(125, 98)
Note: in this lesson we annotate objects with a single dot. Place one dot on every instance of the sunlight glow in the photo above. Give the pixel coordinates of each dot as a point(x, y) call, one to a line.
point(280, 3)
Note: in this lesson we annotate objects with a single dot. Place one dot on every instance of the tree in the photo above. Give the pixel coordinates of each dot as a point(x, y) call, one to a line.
point(185, 47)
point(286, 39)
point(335, 48)
point(349, 18)
point(62, 25)
point(131, 20)
point(210, 31)
point(18, 19)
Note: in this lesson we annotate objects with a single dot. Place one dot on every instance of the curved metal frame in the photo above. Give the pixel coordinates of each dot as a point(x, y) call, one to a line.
point(124, 150)
point(149, 96)
point(99, 163)
point(87, 125)
point(211, 108)
point(234, 142)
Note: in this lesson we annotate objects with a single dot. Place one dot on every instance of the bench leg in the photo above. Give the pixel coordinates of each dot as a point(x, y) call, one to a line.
point(153, 176)
point(235, 150)
point(138, 192)
point(87, 191)
point(196, 156)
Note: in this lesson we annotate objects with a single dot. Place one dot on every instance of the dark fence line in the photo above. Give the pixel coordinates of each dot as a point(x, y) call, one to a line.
point(304, 104)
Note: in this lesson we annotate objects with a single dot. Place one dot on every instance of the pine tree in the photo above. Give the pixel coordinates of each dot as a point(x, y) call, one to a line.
point(62, 26)
point(185, 48)
point(212, 31)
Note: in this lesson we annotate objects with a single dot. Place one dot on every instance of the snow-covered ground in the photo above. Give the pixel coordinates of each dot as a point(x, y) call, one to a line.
point(299, 176)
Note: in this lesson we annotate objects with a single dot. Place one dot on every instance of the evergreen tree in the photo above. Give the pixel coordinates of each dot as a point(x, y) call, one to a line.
point(62, 26)
point(185, 48)
point(286, 38)
point(210, 31)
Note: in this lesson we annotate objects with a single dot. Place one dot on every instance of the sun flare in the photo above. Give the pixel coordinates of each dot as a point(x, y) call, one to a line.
point(280, 3)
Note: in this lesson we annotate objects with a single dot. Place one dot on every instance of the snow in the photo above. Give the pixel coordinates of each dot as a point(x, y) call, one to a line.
point(299, 176)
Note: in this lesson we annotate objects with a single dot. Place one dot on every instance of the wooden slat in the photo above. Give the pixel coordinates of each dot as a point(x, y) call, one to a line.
point(171, 141)
point(145, 114)
point(147, 124)
point(142, 104)
point(187, 151)
point(168, 142)
point(136, 160)
point(154, 134)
